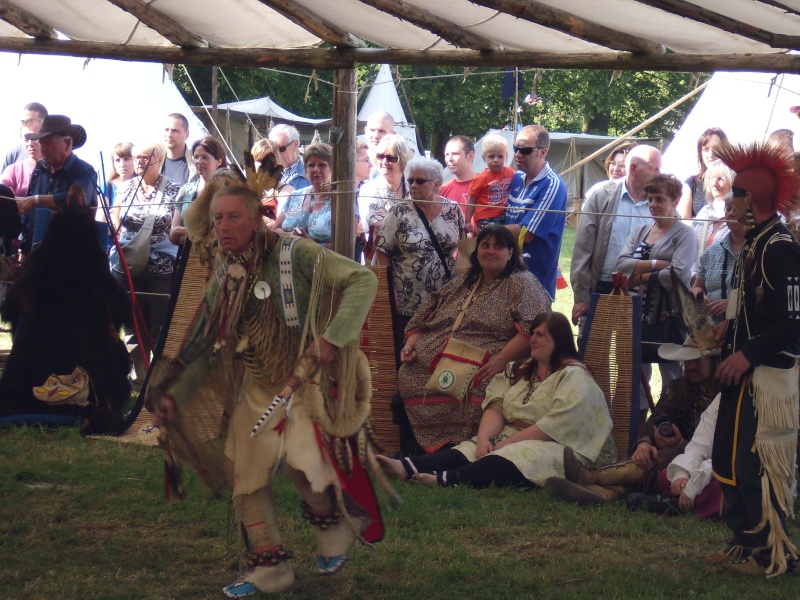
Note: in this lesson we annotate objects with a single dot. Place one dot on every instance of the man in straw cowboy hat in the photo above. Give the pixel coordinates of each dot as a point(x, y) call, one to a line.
point(668, 432)
point(58, 170)
point(756, 435)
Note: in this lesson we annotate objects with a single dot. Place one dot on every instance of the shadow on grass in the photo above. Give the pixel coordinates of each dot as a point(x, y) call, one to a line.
point(87, 519)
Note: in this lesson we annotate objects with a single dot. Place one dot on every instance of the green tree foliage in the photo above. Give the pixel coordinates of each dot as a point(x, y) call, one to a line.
point(446, 101)
point(297, 93)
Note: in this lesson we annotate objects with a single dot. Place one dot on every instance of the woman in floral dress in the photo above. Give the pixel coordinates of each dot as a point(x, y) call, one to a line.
point(420, 264)
point(148, 193)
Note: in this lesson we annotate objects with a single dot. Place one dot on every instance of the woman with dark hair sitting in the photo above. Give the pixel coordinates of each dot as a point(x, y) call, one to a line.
point(534, 409)
point(506, 298)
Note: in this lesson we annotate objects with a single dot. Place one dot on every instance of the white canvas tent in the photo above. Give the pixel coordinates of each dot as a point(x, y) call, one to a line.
point(746, 106)
point(262, 114)
point(114, 101)
point(383, 96)
point(566, 149)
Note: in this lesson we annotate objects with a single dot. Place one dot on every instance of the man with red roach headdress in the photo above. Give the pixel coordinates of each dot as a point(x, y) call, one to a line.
point(756, 435)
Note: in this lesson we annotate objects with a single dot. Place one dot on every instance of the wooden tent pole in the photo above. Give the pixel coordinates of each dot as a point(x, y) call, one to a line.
point(344, 161)
point(636, 129)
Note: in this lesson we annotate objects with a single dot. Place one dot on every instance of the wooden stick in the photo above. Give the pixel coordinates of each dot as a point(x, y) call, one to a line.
point(164, 25)
point(25, 21)
point(561, 20)
point(313, 23)
point(639, 127)
point(709, 17)
point(447, 30)
point(333, 58)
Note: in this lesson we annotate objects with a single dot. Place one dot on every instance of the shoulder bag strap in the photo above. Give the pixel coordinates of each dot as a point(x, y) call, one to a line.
point(434, 241)
point(465, 305)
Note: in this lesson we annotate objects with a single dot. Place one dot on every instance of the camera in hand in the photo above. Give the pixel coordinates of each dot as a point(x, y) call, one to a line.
point(664, 425)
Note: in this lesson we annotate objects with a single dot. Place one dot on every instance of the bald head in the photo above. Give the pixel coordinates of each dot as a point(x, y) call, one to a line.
point(641, 164)
point(379, 124)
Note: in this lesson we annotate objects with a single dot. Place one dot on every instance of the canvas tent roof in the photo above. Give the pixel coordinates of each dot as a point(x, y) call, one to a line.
point(266, 107)
point(114, 101)
point(263, 114)
point(746, 106)
point(633, 34)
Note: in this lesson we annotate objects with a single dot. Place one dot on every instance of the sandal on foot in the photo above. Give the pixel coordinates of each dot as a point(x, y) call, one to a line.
point(328, 565)
point(239, 589)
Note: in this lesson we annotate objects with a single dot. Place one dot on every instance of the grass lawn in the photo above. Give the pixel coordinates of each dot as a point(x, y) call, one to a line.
point(87, 519)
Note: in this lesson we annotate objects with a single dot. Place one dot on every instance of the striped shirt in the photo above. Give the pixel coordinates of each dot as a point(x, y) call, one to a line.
point(546, 192)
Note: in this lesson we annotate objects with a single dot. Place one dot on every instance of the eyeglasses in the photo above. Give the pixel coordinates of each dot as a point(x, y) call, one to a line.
point(718, 179)
point(30, 122)
point(419, 181)
point(616, 165)
point(316, 166)
point(525, 151)
point(392, 158)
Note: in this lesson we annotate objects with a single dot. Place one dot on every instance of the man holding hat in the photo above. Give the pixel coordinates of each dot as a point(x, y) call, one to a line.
point(58, 170)
point(756, 436)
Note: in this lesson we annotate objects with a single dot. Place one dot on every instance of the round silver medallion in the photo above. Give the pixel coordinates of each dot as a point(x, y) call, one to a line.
point(261, 290)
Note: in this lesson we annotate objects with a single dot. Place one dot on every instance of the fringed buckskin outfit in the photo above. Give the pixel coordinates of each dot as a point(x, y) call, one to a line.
point(246, 346)
point(756, 434)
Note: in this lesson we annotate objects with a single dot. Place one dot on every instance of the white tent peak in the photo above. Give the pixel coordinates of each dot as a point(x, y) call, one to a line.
point(746, 106)
point(383, 96)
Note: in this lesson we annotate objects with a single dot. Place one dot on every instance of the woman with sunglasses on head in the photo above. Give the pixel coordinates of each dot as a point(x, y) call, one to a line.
point(307, 211)
point(418, 239)
point(377, 196)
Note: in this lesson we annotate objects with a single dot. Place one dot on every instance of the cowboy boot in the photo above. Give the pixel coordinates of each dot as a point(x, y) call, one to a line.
point(624, 473)
point(583, 495)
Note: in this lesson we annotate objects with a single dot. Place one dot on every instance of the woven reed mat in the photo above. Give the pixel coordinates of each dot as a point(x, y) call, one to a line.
point(609, 356)
point(141, 432)
point(206, 417)
point(377, 342)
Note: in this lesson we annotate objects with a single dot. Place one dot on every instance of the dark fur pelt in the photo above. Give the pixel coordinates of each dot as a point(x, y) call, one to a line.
point(66, 309)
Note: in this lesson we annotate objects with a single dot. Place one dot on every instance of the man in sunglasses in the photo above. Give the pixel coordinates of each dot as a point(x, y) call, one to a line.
point(294, 174)
point(33, 115)
point(600, 239)
point(537, 205)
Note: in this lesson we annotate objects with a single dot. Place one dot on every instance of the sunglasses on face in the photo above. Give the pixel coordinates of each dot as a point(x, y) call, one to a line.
point(526, 151)
point(419, 181)
point(392, 158)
